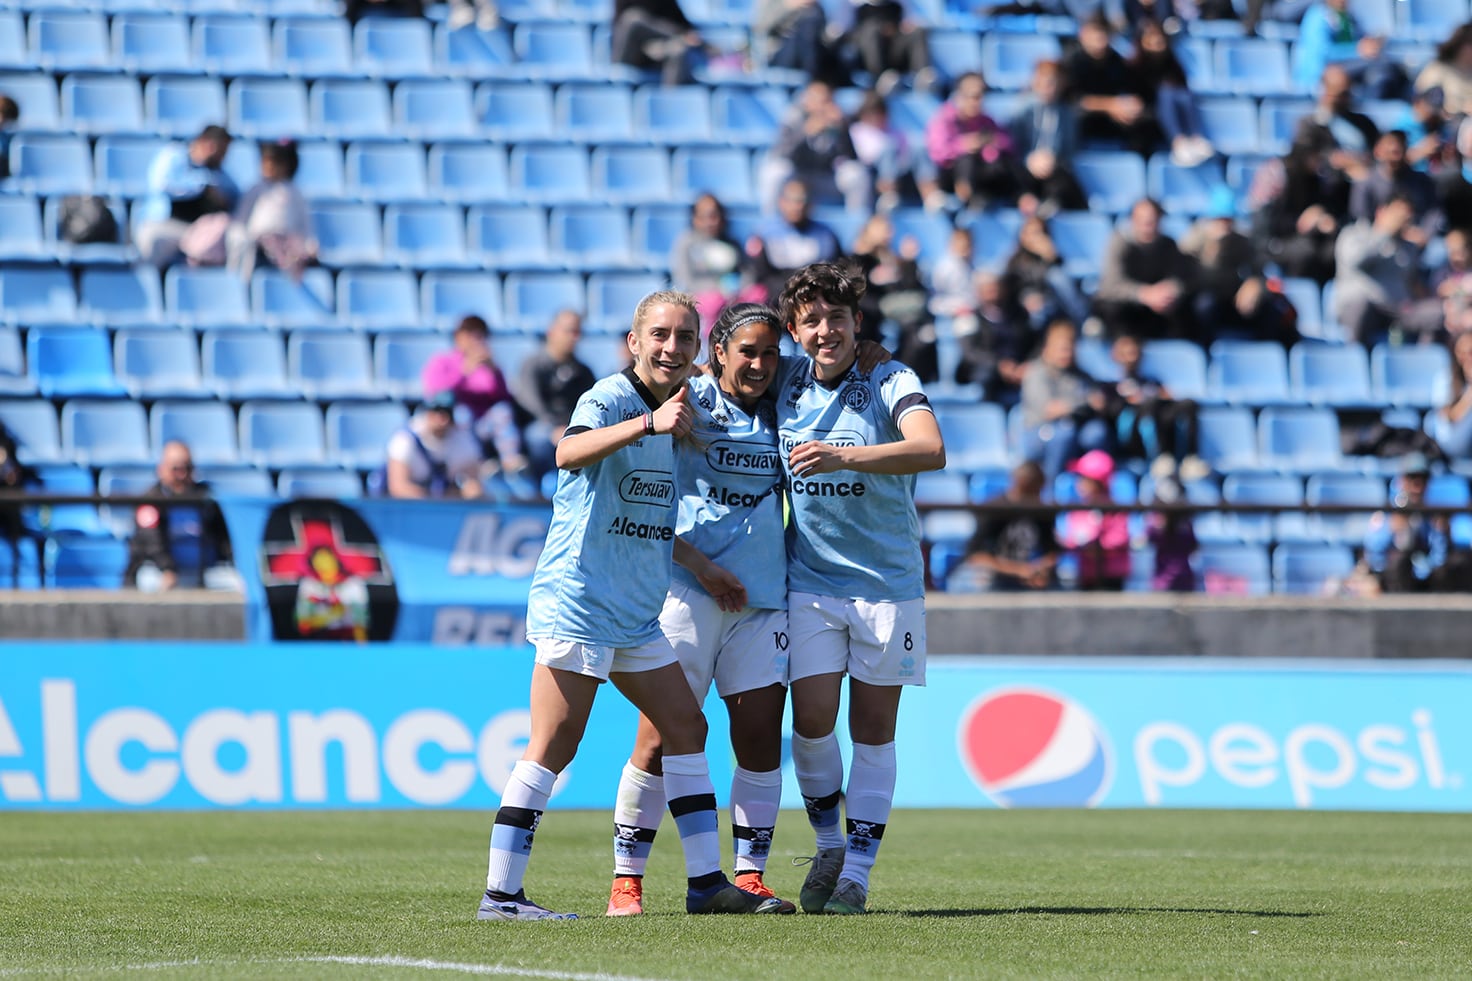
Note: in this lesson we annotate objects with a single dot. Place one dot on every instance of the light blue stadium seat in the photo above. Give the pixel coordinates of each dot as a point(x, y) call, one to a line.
point(1334, 375)
point(930, 231)
point(550, 173)
point(268, 108)
point(594, 112)
point(386, 171)
point(741, 116)
point(118, 482)
point(149, 44)
point(323, 482)
point(20, 229)
point(984, 485)
point(122, 164)
point(207, 428)
point(71, 361)
point(100, 434)
point(424, 236)
point(157, 363)
point(36, 294)
point(655, 229)
point(1228, 438)
point(277, 300)
point(67, 520)
point(313, 47)
point(434, 109)
point(1418, 376)
point(1196, 56)
point(510, 237)
point(245, 364)
point(330, 365)
point(242, 480)
point(232, 46)
point(50, 164)
point(13, 53)
point(347, 234)
point(673, 116)
point(1007, 59)
point(85, 563)
point(473, 53)
point(63, 41)
point(1248, 373)
point(725, 171)
point(604, 354)
point(1252, 66)
point(281, 434)
point(612, 297)
point(1301, 440)
point(512, 350)
point(1182, 190)
point(515, 111)
point(13, 378)
point(590, 237)
point(532, 298)
point(1081, 238)
point(204, 297)
point(1230, 124)
point(358, 433)
point(35, 92)
point(1259, 488)
point(320, 171)
point(447, 296)
point(1092, 355)
point(393, 47)
point(955, 52)
point(398, 359)
point(350, 108)
point(182, 106)
point(1179, 365)
point(1305, 296)
point(1279, 119)
point(468, 173)
point(1113, 179)
point(1345, 489)
point(1240, 568)
point(554, 50)
point(377, 299)
point(101, 104)
point(20, 565)
point(1308, 569)
point(631, 174)
point(975, 437)
point(1428, 20)
point(33, 424)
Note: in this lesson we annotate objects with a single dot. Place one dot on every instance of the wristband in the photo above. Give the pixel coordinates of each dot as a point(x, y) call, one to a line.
point(649, 424)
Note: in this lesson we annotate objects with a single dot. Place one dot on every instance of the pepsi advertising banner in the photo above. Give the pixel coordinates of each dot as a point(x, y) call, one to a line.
point(452, 573)
point(298, 725)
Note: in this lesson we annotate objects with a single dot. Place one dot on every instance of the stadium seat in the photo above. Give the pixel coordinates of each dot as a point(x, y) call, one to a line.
point(150, 44)
point(1081, 238)
point(434, 109)
point(20, 229)
point(1264, 489)
point(471, 52)
point(277, 300)
point(446, 296)
point(70, 361)
point(398, 359)
point(35, 92)
point(120, 297)
point(1308, 569)
point(207, 428)
point(281, 434)
point(13, 378)
point(320, 174)
point(554, 51)
point(50, 164)
point(33, 424)
point(1228, 438)
point(376, 299)
point(158, 363)
point(245, 364)
point(655, 229)
point(182, 106)
point(233, 46)
point(512, 350)
point(424, 236)
point(241, 480)
point(314, 47)
point(1428, 20)
point(532, 298)
point(975, 437)
point(85, 563)
point(350, 109)
point(954, 52)
point(1091, 354)
point(510, 237)
point(101, 104)
point(386, 172)
point(1182, 190)
point(604, 354)
point(932, 233)
point(1007, 59)
point(1305, 296)
point(673, 116)
point(393, 47)
point(741, 116)
point(1299, 440)
point(13, 52)
point(631, 174)
point(1251, 66)
point(1278, 120)
point(323, 482)
point(64, 41)
point(358, 433)
point(1231, 125)
point(545, 173)
point(122, 164)
point(36, 294)
point(612, 297)
point(515, 112)
point(328, 365)
point(467, 173)
point(1234, 569)
point(205, 297)
point(1113, 179)
point(1330, 374)
point(1248, 373)
point(20, 565)
point(1178, 365)
point(101, 434)
point(268, 108)
point(347, 234)
point(590, 237)
point(726, 170)
point(1418, 376)
point(1349, 490)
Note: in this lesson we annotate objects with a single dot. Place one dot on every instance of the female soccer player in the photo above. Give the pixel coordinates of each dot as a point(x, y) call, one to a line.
point(852, 442)
point(593, 612)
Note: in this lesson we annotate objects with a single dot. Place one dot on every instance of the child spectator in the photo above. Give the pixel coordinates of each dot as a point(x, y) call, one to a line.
point(1174, 539)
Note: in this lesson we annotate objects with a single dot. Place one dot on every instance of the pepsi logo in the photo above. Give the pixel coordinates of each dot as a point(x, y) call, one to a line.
point(1027, 747)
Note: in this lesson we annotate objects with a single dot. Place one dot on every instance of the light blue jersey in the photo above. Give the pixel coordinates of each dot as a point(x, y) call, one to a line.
point(729, 476)
point(853, 535)
point(605, 569)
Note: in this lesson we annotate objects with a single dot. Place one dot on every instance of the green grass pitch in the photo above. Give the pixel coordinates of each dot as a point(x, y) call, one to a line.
point(957, 894)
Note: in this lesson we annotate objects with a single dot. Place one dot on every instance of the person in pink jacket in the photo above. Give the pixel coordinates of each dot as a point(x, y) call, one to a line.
point(471, 374)
point(971, 151)
point(1099, 542)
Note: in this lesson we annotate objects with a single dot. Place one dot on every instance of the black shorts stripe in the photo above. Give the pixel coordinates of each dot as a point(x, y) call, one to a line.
point(681, 806)
point(518, 817)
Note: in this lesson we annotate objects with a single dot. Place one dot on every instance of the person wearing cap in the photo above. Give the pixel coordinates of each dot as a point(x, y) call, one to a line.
point(1232, 292)
point(433, 456)
point(1098, 541)
point(1411, 551)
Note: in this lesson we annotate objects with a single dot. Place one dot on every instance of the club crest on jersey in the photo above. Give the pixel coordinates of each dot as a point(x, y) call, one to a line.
point(647, 487)
point(856, 396)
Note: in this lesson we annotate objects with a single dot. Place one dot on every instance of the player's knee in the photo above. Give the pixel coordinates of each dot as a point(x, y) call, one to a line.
point(684, 733)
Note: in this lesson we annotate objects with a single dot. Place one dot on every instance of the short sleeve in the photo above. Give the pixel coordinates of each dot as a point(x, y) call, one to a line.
point(595, 409)
point(900, 390)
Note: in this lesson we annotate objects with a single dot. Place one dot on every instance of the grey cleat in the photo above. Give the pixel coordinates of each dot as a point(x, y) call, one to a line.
point(818, 887)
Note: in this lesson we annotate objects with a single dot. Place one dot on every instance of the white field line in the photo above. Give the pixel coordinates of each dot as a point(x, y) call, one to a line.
point(421, 964)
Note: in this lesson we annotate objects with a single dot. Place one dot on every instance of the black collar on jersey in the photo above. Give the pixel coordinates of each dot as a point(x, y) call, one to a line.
point(642, 389)
point(853, 369)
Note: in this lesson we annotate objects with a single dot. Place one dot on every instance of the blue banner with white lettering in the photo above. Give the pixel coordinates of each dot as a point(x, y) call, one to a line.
point(414, 571)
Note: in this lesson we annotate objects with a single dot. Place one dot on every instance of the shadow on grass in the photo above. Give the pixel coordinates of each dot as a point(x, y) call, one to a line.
point(1099, 911)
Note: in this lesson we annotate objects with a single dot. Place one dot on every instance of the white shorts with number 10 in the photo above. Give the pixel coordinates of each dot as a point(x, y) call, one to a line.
point(739, 651)
point(880, 643)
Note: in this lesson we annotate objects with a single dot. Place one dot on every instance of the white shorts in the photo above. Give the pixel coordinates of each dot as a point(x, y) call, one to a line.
point(596, 661)
point(741, 651)
point(877, 643)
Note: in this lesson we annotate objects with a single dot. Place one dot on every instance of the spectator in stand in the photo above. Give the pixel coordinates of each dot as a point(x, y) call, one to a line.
point(995, 341)
point(972, 153)
point(950, 276)
point(1298, 204)
point(889, 43)
point(794, 34)
point(1145, 281)
point(356, 10)
point(656, 34)
point(1329, 35)
point(1012, 552)
point(273, 219)
point(814, 147)
point(893, 164)
point(1045, 135)
point(1411, 551)
point(473, 380)
point(1455, 183)
point(1451, 285)
point(175, 544)
point(1429, 133)
point(1101, 86)
point(705, 261)
point(1061, 406)
point(896, 294)
point(1150, 423)
point(433, 456)
point(1393, 175)
point(1353, 133)
point(1451, 425)
point(1160, 82)
point(1232, 294)
point(9, 116)
point(14, 477)
point(1099, 542)
point(1451, 72)
point(1037, 278)
point(549, 386)
point(1378, 271)
point(788, 241)
point(1281, 11)
point(1174, 539)
point(185, 184)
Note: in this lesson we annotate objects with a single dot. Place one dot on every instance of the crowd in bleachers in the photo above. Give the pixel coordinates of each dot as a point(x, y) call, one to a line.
point(1269, 197)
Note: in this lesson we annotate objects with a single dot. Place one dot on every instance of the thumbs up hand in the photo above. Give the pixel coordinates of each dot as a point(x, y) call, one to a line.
point(676, 416)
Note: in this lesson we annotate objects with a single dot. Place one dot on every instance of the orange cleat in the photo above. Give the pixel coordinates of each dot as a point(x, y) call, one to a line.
point(627, 898)
point(752, 882)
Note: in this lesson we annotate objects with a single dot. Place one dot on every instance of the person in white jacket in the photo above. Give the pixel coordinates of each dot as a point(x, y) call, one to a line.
point(273, 219)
